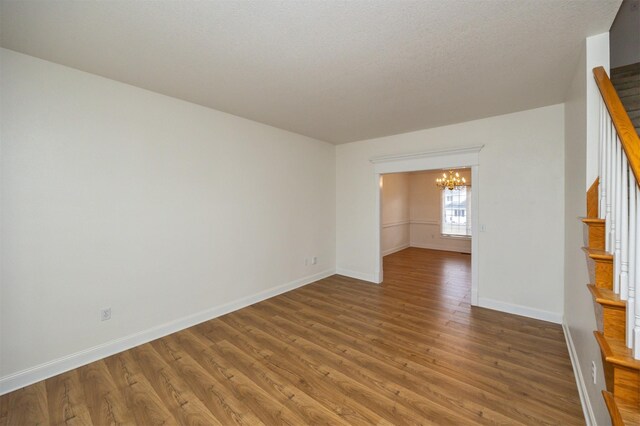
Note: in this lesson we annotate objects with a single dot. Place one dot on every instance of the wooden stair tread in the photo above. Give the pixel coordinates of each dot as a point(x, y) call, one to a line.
point(604, 296)
point(612, 407)
point(616, 352)
point(594, 221)
point(597, 254)
point(621, 413)
point(594, 236)
point(600, 265)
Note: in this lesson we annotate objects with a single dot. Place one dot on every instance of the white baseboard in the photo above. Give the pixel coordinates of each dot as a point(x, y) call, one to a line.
point(525, 311)
point(52, 368)
point(395, 249)
point(358, 275)
point(440, 247)
point(587, 409)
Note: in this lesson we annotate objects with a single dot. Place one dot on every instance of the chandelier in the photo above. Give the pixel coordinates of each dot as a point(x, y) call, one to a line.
point(451, 182)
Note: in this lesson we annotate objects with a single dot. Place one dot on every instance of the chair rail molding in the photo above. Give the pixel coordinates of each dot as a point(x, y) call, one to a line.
point(399, 223)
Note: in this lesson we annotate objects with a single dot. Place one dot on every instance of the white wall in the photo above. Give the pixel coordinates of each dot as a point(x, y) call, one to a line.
point(426, 213)
point(163, 210)
point(579, 312)
point(625, 34)
point(521, 251)
point(597, 55)
point(395, 212)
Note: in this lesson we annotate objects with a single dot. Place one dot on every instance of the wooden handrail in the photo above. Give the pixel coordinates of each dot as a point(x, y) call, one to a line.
point(626, 132)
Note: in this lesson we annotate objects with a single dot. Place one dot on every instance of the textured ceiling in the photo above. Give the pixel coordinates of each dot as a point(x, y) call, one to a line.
point(338, 71)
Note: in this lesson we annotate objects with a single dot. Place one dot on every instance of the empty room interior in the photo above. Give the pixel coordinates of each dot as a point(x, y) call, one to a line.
point(320, 212)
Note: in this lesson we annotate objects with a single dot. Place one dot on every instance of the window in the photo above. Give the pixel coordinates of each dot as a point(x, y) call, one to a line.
point(456, 205)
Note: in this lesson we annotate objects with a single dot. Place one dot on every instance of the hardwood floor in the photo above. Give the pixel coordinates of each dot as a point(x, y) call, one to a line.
point(338, 351)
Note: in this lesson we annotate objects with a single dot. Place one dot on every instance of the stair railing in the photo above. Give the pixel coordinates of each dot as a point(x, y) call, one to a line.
point(619, 201)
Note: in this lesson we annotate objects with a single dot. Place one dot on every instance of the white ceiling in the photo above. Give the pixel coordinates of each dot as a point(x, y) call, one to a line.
point(338, 71)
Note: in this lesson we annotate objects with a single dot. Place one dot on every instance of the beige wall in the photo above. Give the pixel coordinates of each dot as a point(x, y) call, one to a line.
point(625, 34)
point(520, 271)
point(165, 211)
point(579, 315)
point(395, 212)
point(425, 213)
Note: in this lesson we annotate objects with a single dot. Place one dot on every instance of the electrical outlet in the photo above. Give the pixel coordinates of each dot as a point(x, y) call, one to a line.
point(105, 314)
point(593, 372)
point(314, 260)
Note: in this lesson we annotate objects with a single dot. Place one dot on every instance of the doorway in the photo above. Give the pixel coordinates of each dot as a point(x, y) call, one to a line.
point(426, 232)
point(431, 160)
point(417, 213)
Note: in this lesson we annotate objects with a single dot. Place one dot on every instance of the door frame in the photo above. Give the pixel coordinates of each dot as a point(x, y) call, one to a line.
point(468, 157)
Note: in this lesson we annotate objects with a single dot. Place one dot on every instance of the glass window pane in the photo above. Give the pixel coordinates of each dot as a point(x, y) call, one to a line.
point(455, 211)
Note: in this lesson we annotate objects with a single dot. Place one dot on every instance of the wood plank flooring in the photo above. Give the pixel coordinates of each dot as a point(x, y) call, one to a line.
point(338, 351)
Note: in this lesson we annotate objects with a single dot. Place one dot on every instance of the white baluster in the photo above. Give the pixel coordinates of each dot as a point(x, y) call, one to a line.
point(602, 187)
point(624, 228)
point(611, 183)
point(608, 214)
point(617, 257)
point(619, 205)
point(633, 261)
